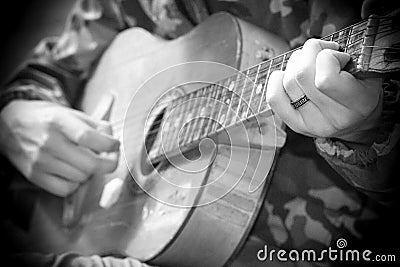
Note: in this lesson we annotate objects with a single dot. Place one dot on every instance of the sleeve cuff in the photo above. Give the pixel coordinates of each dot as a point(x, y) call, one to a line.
point(30, 91)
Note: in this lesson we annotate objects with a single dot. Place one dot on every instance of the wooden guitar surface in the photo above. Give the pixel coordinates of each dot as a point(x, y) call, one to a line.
point(138, 225)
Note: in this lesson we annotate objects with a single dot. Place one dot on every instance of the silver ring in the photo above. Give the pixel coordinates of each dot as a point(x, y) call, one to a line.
point(299, 102)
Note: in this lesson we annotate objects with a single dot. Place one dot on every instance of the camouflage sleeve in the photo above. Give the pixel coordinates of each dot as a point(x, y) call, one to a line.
point(71, 259)
point(59, 65)
point(371, 169)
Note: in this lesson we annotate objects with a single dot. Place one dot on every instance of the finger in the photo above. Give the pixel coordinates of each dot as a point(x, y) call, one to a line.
point(92, 122)
point(98, 141)
point(61, 169)
point(289, 79)
point(313, 46)
point(84, 135)
point(54, 185)
point(339, 85)
point(106, 163)
point(342, 87)
point(80, 157)
point(65, 150)
point(306, 72)
point(100, 125)
point(280, 103)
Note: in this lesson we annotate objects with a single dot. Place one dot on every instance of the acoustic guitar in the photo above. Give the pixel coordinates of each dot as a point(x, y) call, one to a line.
point(195, 160)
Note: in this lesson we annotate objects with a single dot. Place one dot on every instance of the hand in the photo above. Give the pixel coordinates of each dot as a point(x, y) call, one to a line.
point(55, 147)
point(340, 105)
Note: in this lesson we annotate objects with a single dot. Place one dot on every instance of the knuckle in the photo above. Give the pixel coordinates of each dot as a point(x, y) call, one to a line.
point(83, 135)
point(53, 119)
point(270, 98)
point(322, 82)
point(300, 76)
point(312, 43)
point(44, 143)
point(325, 53)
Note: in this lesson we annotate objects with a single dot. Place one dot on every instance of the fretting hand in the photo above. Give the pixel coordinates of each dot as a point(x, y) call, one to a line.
point(56, 147)
point(339, 105)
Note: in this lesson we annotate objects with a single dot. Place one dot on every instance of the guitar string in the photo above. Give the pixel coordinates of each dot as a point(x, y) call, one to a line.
point(245, 90)
point(214, 119)
point(265, 68)
point(340, 32)
point(282, 62)
point(156, 122)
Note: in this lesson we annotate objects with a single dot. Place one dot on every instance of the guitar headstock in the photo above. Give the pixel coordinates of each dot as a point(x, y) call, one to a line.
point(381, 47)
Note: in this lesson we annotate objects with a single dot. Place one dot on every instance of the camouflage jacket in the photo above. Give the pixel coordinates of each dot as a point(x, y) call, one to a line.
point(312, 200)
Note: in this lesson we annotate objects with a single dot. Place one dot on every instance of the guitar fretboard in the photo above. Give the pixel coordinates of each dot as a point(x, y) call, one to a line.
point(241, 97)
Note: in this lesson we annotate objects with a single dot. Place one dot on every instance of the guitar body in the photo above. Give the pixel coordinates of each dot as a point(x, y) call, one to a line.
point(138, 225)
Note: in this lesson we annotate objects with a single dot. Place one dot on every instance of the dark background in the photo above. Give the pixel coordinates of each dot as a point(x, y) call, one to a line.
point(23, 24)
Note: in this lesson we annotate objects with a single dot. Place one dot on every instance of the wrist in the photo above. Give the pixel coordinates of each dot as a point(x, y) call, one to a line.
point(17, 93)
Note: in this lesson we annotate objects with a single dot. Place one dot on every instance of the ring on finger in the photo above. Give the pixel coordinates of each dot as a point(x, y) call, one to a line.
point(299, 102)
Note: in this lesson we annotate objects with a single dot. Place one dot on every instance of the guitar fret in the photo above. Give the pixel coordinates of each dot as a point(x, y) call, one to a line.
point(347, 40)
point(238, 99)
point(188, 116)
point(232, 101)
point(200, 113)
point(247, 93)
point(207, 112)
point(193, 118)
point(259, 85)
point(225, 99)
point(174, 135)
point(222, 102)
point(213, 105)
point(166, 125)
point(250, 107)
point(216, 109)
point(239, 111)
point(265, 85)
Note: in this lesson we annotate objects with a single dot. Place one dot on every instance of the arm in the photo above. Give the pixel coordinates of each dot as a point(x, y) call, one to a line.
point(371, 166)
point(44, 138)
point(343, 114)
point(354, 122)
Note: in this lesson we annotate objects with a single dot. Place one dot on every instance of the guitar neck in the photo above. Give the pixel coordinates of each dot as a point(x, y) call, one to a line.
point(244, 94)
